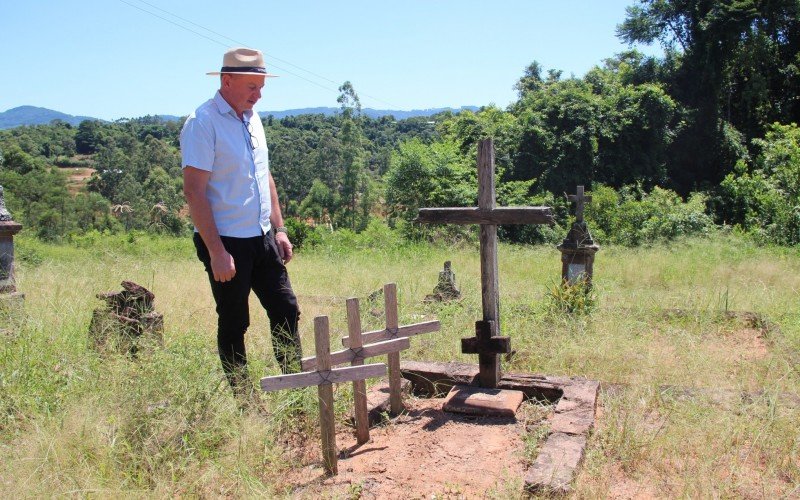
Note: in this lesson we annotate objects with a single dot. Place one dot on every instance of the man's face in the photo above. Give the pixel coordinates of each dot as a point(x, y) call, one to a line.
point(242, 91)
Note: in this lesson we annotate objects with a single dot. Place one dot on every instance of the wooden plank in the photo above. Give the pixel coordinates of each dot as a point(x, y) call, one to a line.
point(400, 332)
point(490, 287)
point(486, 196)
point(325, 393)
point(359, 386)
point(496, 216)
point(335, 376)
point(368, 351)
point(390, 302)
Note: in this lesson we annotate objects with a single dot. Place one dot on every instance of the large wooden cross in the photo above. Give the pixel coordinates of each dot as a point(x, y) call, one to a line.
point(489, 216)
point(580, 200)
point(324, 378)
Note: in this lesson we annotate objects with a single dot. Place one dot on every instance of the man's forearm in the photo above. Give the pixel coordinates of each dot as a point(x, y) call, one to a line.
point(203, 219)
point(276, 217)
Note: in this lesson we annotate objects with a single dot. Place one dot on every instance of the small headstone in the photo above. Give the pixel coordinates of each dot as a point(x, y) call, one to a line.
point(578, 248)
point(127, 317)
point(5, 215)
point(9, 296)
point(446, 289)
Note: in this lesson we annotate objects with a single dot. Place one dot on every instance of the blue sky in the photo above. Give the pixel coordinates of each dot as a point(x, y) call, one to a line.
point(127, 58)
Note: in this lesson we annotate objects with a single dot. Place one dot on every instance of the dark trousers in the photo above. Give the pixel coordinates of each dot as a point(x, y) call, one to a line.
point(258, 268)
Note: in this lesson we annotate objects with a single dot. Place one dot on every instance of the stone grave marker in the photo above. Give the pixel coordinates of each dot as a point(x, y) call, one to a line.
point(578, 248)
point(9, 295)
point(446, 289)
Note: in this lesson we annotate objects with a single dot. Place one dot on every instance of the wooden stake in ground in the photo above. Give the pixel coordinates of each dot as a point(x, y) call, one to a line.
point(356, 355)
point(393, 331)
point(489, 216)
point(324, 378)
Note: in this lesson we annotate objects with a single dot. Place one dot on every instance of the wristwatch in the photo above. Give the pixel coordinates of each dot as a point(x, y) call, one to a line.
point(281, 229)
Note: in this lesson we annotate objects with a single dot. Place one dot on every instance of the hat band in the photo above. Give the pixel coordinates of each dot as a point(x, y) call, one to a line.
point(243, 69)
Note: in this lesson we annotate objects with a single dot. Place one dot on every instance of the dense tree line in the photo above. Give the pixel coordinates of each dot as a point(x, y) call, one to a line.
point(669, 145)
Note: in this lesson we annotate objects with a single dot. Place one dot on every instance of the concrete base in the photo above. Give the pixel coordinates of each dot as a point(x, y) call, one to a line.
point(556, 465)
point(483, 402)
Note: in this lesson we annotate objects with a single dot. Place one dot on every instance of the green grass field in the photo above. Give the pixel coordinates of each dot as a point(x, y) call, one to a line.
point(693, 402)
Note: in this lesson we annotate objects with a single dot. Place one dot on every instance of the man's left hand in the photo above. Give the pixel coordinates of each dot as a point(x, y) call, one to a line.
point(284, 246)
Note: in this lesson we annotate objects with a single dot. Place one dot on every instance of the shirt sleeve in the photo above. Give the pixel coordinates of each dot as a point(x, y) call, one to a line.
point(197, 144)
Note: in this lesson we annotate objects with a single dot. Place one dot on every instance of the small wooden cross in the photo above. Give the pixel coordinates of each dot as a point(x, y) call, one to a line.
point(580, 202)
point(488, 215)
point(324, 378)
point(356, 355)
point(487, 345)
point(393, 331)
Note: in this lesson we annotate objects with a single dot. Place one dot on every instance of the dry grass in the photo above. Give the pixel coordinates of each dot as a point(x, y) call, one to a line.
point(693, 403)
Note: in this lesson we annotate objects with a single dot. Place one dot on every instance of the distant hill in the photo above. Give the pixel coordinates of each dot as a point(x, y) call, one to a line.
point(372, 113)
point(32, 115)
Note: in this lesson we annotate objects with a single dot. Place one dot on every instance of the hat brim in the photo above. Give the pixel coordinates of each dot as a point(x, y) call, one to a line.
point(268, 75)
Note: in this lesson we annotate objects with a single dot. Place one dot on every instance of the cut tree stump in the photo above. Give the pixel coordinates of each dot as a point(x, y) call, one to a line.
point(127, 318)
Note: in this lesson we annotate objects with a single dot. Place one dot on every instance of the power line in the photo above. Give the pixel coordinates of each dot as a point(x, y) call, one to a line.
point(237, 42)
point(241, 44)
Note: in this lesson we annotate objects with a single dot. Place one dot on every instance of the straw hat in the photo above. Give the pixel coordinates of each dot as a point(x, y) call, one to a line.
point(243, 61)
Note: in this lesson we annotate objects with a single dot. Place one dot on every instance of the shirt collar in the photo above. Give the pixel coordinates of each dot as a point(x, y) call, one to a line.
point(224, 107)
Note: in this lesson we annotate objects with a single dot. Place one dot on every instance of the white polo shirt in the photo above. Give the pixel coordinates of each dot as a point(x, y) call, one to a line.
point(214, 139)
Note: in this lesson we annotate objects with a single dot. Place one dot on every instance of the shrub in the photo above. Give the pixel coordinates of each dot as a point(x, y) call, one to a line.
point(633, 217)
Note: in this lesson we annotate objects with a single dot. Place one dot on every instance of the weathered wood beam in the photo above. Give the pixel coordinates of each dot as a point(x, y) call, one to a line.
point(393, 358)
point(335, 376)
point(368, 351)
point(497, 345)
point(495, 216)
point(402, 331)
point(359, 386)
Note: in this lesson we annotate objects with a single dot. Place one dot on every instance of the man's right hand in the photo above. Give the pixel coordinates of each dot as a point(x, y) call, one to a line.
point(223, 267)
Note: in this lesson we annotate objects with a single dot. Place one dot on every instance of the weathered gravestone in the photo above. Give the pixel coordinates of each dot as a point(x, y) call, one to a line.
point(127, 318)
point(9, 296)
point(489, 216)
point(446, 288)
point(578, 248)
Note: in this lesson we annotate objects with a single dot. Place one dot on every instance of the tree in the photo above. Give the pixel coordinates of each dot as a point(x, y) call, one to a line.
point(738, 71)
point(88, 138)
point(531, 81)
point(354, 184)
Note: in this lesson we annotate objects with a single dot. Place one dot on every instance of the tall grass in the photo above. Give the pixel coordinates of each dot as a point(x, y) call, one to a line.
point(673, 419)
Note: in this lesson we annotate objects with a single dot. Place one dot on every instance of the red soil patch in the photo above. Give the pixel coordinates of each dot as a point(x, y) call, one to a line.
point(422, 453)
point(77, 178)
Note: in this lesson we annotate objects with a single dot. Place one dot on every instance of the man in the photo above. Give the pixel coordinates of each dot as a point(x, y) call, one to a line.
point(239, 232)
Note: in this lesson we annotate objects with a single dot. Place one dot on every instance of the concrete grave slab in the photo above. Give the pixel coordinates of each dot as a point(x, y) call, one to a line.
point(482, 401)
